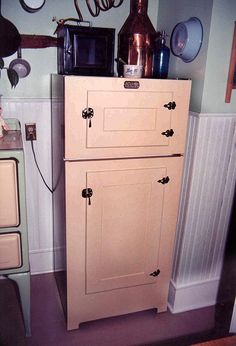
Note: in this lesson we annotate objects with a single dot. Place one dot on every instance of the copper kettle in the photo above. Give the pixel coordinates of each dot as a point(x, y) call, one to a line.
point(136, 39)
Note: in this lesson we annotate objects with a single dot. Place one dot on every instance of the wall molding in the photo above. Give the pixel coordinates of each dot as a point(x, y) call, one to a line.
point(204, 213)
point(192, 296)
point(212, 115)
point(43, 261)
point(25, 100)
point(206, 199)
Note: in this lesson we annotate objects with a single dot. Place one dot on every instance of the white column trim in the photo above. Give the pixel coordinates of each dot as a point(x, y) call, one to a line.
point(192, 296)
point(212, 115)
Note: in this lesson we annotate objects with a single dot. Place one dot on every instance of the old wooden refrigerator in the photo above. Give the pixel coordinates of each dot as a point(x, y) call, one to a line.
point(118, 150)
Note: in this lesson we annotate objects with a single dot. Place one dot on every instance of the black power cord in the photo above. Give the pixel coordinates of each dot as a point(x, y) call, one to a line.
point(35, 160)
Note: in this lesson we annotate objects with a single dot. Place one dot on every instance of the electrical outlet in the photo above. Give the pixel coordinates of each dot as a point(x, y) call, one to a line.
point(30, 132)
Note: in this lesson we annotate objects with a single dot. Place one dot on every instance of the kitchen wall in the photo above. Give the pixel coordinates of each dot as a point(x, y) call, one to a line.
point(209, 71)
point(183, 10)
point(218, 58)
point(210, 164)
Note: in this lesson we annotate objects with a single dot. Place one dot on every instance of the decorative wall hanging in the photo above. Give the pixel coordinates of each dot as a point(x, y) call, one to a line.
point(231, 83)
point(95, 6)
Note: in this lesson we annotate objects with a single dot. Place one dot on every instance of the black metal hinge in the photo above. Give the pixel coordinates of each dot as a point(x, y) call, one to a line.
point(155, 273)
point(164, 180)
point(168, 133)
point(170, 105)
point(87, 193)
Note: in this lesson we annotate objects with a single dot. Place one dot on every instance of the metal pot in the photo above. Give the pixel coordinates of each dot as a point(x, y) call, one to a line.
point(186, 39)
point(21, 66)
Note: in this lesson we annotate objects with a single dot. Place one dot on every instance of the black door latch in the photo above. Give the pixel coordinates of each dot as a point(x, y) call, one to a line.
point(87, 193)
point(155, 273)
point(88, 113)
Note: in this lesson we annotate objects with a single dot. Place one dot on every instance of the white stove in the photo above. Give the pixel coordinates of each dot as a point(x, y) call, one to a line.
point(14, 253)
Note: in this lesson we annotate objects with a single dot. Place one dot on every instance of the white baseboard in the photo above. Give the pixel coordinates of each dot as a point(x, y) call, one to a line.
point(192, 296)
point(43, 261)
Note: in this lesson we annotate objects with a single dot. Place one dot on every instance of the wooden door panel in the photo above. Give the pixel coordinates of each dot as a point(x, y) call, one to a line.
point(123, 119)
point(124, 218)
point(125, 123)
point(131, 119)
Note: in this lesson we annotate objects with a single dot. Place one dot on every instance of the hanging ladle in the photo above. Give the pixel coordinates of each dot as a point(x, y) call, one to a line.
point(21, 66)
point(9, 37)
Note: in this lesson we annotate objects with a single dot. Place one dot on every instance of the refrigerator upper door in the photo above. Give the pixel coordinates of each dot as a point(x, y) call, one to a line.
point(128, 119)
point(107, 117)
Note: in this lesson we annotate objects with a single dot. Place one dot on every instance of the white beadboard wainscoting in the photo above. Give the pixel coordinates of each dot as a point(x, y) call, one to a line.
point(206, 200)
point(207, 194)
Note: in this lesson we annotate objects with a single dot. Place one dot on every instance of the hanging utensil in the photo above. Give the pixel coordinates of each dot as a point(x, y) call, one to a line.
point(98, 5)
point(21, 66)
point(9, 37)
